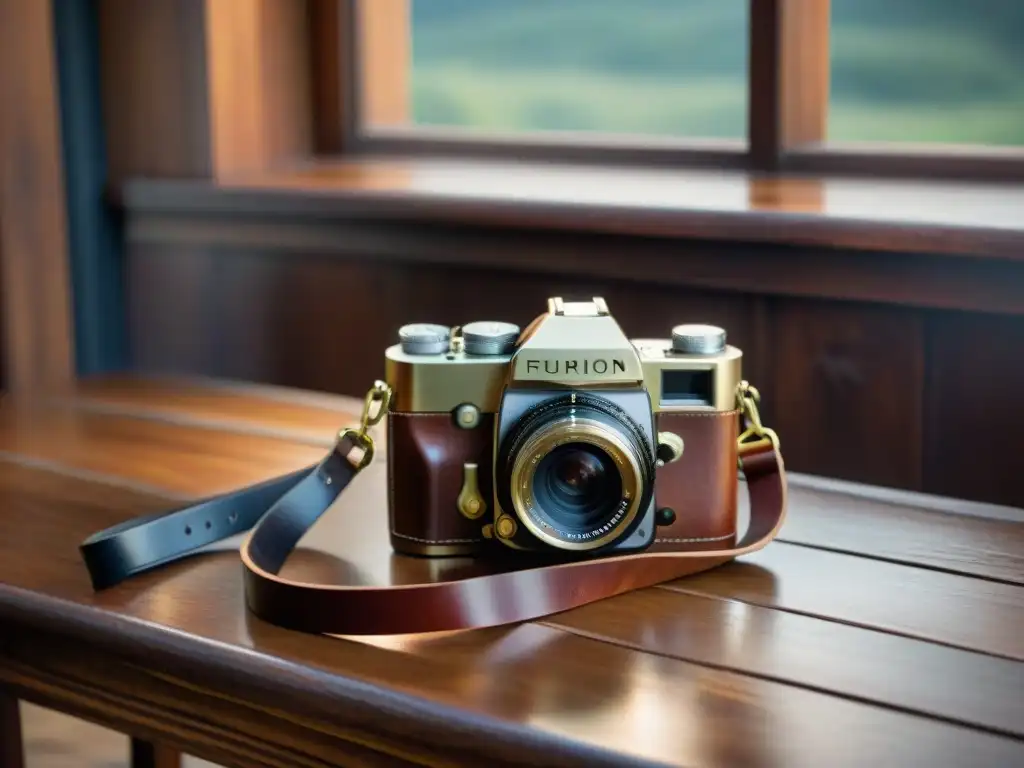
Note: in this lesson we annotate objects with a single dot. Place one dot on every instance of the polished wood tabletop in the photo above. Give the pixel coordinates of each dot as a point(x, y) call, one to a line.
point(880, 629)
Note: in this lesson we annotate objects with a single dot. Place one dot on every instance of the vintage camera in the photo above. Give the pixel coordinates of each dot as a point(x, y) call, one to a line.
point(567, 438)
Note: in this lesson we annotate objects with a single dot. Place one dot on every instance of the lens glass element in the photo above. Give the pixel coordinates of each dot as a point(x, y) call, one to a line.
point(578, 487)
point(577, 471)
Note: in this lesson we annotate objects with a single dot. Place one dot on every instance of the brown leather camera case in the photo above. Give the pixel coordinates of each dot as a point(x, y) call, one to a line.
point(427, 451)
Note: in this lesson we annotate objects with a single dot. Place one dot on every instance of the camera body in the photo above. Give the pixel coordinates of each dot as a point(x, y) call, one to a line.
point(567, 438)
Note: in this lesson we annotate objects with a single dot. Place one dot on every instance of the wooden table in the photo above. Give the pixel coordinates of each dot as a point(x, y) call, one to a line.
point(879, 630)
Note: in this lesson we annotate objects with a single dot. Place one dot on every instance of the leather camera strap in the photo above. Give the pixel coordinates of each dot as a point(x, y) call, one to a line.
point(277, 513)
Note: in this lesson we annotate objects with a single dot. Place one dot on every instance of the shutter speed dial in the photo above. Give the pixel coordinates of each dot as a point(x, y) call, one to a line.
point(696, 339)
point(424, 338)
point(489, 337)
point(484, 338)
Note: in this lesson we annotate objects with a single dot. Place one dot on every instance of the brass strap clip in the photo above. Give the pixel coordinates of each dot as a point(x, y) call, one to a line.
point(756, 435)
point(375, 406)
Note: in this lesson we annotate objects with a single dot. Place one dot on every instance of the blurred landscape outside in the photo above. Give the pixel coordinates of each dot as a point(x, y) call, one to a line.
point(933, 71)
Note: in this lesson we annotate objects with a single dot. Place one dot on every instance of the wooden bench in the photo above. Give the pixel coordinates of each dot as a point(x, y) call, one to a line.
point(879, 630)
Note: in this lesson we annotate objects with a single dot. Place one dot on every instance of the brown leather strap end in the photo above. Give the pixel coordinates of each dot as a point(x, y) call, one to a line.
point(481, 601)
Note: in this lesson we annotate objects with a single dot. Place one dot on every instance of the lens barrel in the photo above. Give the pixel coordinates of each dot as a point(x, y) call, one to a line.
point(576, 471)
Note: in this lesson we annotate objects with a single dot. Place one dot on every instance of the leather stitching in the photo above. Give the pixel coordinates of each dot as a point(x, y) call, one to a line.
point(695, 540)
point(391, 516)
point(715, 415)
point(435, 541)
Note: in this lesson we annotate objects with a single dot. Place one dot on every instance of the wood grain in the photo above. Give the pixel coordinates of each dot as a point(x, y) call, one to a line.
point(973, 405)
point(238, 406)
point(911, 534)
point(937, 607)
point(845, 382)
point(202, 89)
point(847, 389)
point(264, 306)
point(260, 94)
point(629, 712)
point(178, 459)
point(250, 323)
point(788, 76)
point(759, 681)
point(885, 526)
point(38, 343)
point(264, 690)
point(930, 605)
point(804, 72)
point(334, 66)
point(950, 218)
point(914, 676)
point(865, 602)
point(906, 279)
point(384, 35)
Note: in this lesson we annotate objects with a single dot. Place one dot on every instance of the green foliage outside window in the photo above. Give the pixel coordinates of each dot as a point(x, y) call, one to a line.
point(902, 70)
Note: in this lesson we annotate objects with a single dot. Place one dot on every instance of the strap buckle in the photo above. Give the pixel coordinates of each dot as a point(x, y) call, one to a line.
point(375, 406)
point(756, 435)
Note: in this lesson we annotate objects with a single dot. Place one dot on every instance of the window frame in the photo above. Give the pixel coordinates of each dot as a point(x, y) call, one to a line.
point(787, 109)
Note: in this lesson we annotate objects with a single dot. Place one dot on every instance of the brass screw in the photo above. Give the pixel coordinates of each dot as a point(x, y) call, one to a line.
point(505, 527)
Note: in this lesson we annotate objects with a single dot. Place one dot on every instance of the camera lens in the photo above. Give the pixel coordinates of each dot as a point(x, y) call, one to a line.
point(576, 470)
point(578, 485)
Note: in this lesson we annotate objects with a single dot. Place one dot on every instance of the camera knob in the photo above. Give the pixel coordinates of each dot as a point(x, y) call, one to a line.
point(698, 339)
point(424, 338)
point(489, 337)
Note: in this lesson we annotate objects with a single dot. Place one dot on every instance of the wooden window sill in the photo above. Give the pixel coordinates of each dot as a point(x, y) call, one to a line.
point(924, 217)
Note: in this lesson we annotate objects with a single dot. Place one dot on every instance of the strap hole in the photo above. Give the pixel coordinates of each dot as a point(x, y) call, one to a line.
point(188, 530)
point(209, 525)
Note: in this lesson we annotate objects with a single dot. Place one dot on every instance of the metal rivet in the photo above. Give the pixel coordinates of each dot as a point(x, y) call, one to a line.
point(467, 416)
point(505, 527)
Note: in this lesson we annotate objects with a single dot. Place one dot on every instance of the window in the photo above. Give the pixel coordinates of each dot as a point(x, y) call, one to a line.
point(813, 86)
point(928, 71)
point(650, 67)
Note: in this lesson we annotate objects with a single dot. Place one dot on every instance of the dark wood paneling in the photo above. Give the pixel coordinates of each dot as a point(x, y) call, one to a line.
point(843, 382)
point(171, 310)
point(323, 322)
point(314, 304)
point(974, 407)
point(368, 232)
point(847, 388)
